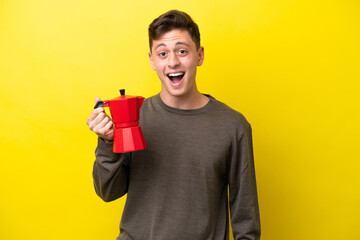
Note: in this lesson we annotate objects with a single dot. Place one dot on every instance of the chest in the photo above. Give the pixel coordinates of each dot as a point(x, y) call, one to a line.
point(186, 146)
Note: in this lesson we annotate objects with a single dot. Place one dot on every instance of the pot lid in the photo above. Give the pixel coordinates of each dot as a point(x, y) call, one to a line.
point(123, 96)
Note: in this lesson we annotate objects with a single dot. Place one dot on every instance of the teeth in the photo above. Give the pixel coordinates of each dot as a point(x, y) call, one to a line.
point(175, 74)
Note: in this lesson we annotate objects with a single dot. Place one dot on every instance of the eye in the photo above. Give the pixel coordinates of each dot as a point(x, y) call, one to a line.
point(182, 52)
point(162, 54)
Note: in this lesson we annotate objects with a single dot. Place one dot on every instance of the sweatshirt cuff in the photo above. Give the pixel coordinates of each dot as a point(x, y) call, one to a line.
point(100, 139)
point(104, 148)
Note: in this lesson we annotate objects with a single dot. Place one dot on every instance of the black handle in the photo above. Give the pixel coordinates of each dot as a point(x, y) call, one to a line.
point(99, 104)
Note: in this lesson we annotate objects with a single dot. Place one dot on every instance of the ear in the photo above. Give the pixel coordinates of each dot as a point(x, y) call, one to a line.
point(151, 62)
point(200, 56)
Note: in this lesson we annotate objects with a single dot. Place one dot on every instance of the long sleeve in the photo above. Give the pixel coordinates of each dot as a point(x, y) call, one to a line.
point(110, 172)
point(243, 200)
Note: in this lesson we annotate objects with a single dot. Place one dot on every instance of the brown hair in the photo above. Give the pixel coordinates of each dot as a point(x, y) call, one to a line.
point(171, 20)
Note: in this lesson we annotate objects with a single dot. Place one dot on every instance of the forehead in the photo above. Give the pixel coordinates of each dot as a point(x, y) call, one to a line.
point(174, 37)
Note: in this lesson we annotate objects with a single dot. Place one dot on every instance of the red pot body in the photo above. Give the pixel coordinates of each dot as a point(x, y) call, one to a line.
point(124, 110)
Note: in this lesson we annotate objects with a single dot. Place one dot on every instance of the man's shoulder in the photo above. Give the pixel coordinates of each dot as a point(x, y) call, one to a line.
point(149, 101)
point(229, 114)
point(151, 98)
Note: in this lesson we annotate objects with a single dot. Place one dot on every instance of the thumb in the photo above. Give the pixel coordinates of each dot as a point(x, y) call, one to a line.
point(97, 99)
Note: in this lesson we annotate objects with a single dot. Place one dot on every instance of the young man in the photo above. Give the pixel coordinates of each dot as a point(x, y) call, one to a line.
point(197, 149)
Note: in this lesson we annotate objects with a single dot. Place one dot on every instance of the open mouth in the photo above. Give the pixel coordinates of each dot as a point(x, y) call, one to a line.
point(176, 78)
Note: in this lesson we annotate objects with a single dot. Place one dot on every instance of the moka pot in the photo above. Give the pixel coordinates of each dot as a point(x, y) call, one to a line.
point(124, 110)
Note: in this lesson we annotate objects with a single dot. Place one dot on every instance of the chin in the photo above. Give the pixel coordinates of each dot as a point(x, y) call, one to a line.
point(174, 92)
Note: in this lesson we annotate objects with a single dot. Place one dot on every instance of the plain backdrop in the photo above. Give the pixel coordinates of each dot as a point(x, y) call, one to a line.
point(290, 66)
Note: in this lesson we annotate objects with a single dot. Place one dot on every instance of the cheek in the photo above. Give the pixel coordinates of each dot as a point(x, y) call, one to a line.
point(159, 65)
point(161, 75)
point(191, 62)
point(191, 66)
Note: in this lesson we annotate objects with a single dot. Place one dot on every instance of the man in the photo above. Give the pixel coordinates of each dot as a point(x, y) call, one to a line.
point(197, 149)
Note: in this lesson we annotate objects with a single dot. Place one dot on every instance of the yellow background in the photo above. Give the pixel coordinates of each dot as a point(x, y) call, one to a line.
point(291, 67)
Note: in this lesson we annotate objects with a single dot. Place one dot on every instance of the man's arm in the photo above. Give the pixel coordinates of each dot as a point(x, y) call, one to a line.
point(110, 172)
point(243, 200)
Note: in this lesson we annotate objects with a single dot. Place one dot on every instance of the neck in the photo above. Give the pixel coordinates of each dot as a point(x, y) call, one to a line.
point(191, 101)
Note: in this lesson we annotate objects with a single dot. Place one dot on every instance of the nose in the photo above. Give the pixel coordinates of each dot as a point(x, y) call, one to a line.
point(173, 61)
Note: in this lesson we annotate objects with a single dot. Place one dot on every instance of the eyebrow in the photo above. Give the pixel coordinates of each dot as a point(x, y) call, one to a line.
point(178, 43)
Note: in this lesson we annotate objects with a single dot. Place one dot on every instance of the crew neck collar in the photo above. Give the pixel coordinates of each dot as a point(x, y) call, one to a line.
point(185, 111)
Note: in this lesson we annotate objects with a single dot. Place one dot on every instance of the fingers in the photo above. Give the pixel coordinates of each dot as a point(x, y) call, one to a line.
point(97, 119)
point(105, 129)
point(94, 114)
point(100, 123)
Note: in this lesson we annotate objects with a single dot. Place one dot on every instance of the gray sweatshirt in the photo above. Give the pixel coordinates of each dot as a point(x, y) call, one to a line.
point(177, 188)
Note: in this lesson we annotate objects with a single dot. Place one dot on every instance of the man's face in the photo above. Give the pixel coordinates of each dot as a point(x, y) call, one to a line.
point(175, 58)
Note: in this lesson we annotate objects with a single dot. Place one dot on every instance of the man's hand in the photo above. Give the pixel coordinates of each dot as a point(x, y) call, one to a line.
point(100, 123)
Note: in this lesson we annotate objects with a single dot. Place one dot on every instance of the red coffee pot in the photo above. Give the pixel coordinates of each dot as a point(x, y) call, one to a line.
point(124, 111)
